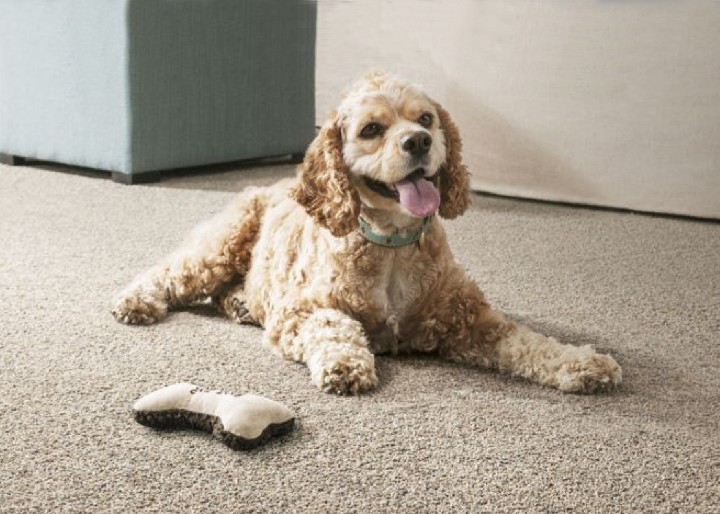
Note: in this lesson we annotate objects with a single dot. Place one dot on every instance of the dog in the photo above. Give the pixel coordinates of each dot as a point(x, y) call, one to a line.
point(350, 258)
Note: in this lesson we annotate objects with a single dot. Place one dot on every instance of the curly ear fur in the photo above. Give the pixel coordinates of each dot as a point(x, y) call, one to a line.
point(454, 179)
point(324, 188)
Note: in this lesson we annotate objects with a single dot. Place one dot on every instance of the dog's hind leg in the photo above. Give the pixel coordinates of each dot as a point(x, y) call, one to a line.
point(211, 261)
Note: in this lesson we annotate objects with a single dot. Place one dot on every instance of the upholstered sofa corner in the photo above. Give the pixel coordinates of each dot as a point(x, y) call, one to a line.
point(137, 87)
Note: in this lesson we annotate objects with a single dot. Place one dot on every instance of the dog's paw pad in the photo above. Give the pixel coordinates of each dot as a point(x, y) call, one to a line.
point(592, 374)
point(238, 311)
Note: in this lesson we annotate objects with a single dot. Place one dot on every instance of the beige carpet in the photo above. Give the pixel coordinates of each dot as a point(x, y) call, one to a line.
point(436, 437)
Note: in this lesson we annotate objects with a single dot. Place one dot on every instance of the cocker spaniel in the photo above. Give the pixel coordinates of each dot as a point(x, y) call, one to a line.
point(350, 259)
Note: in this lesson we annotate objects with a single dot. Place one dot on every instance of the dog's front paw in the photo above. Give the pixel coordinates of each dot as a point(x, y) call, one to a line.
point(136, 310)
point(591, 373)
point(350, 373)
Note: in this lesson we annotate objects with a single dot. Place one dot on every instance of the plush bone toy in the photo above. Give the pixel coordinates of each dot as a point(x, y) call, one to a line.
point(241, 422)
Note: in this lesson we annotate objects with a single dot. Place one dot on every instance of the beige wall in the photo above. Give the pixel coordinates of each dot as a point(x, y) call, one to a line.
point(603, 102)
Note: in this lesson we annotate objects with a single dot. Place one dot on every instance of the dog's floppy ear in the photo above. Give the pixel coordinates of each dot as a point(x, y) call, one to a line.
point(324, 188)
point(454, 179)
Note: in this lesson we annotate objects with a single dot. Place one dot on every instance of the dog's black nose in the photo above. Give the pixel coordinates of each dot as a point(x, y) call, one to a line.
point(417, 144)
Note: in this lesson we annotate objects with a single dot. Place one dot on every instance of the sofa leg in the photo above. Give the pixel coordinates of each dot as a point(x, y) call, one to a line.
point(11, 160)
point(122, 178)
point(130, 179)
point(296, 158)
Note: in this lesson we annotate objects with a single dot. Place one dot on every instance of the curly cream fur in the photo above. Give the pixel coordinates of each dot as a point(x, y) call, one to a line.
point(289, 258)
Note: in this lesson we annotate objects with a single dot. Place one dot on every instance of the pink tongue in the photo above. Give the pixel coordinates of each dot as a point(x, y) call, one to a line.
point(419, 196)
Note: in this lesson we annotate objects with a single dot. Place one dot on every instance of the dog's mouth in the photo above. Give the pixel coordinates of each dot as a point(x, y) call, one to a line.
point(417, 194)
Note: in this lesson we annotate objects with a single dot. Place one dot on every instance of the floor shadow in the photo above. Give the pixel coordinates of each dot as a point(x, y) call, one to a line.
point(202, 309)
point(564, 334)
point(67, 169)
point(228, 176)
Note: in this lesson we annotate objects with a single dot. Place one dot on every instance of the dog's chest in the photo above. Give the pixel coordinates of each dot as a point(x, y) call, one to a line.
point(392, 294)
point(396, 290)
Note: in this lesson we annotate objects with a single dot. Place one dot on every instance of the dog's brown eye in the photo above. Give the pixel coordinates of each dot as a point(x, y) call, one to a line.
point(371, 130)
point(425, 119)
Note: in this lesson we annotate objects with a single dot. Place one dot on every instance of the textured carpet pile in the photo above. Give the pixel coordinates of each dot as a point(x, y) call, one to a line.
point(435, 437)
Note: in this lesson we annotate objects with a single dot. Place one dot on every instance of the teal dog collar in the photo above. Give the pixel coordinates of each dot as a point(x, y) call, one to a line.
point(395, 240)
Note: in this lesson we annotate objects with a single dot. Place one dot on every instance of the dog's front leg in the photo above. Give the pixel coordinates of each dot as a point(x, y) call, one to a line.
point(472, 332)
point(542, 359)
point(332, 344)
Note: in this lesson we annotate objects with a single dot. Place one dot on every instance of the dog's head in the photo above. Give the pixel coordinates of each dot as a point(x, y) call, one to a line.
point(388, 146)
